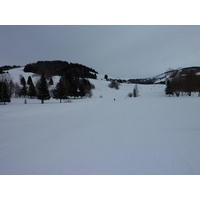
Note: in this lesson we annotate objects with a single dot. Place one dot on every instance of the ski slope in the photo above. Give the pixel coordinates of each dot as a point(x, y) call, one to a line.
point(149, 135)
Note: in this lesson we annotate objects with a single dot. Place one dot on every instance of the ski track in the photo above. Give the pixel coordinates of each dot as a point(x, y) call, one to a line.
point(101, 136)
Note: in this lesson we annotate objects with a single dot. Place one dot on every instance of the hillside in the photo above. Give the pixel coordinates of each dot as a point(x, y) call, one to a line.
point(55, 68)
point(161, 78)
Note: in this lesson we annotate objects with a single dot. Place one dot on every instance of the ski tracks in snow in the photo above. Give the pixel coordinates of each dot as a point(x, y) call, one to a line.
point(102, 136)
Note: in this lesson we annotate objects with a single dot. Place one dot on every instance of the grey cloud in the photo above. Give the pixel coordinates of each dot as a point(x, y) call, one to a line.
point(119, 51)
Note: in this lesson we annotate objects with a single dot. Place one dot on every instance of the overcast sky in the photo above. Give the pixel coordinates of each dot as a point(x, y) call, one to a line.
point(119, 51)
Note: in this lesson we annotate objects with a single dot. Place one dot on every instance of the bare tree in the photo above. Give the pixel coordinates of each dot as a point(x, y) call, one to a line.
point(114, 84)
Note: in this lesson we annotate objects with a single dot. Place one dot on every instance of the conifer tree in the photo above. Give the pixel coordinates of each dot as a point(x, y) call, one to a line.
point(24, 88)
point(191, 82)
point(68, 79)
point(4, 92)
point(29, 81)
point(135, 91)
point(74, 89)
point(72, 85)
point(31, 90)
point(60, 91)
point(42, 89)
point(169, 90)
point(22, 80)
point(51, 81)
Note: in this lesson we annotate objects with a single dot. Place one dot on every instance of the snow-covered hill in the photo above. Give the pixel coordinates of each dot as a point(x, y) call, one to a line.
point(150, 134)
point(16, 72)
point(161, 78)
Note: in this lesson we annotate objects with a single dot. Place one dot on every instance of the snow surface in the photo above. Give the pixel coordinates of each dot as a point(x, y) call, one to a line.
point(152, 134)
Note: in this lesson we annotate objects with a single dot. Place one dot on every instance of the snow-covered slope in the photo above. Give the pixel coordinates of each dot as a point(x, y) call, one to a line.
point(150, 134)
point(161, 78)
point(15, 75)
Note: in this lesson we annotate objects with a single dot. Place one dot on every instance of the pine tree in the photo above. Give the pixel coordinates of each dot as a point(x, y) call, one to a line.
point(51, 81)
point(24, 88)
point(29, 81)
point(60, 91)
point(42, 89)
point(135, 91)
point(22, 80)
point(68, 84)
point(31, 90)
point(191, 82)
point(169, 90)
point(72, 85)
point(74, 89)
point(4, 92)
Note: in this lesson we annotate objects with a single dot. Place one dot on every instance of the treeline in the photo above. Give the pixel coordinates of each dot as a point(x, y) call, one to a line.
point(68, 87)
point(72, 86)
point(146, 81)
point(8, 67)
point(60, 68)
point(116, 80)
point(183, 83)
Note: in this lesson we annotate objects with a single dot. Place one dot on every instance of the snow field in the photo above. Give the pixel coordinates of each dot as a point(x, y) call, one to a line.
point(151, 134)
